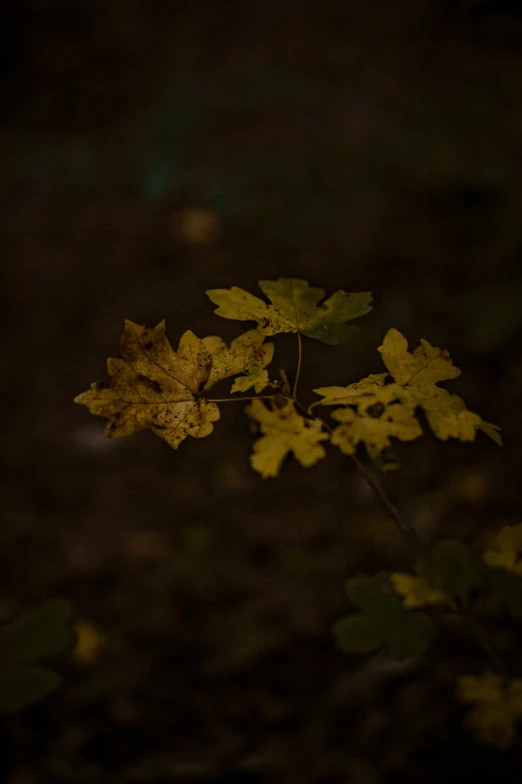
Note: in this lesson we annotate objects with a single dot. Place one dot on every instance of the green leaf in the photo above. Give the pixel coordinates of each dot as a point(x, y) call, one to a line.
point(34, 634)
point(357, 633)
point(38, 632)
point(411, 635)
point(22, 685)
point(294, 308)
point(505, 591)
point(382, 623)
point(366, 591)
point(452, 568)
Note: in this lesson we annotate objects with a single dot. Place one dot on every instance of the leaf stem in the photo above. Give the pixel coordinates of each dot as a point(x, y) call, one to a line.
point(481, 637)
point(238, 399)
point(299, 362)
point(393, 511)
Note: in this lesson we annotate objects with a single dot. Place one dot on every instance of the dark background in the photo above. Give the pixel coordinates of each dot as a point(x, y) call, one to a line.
point(152, 150)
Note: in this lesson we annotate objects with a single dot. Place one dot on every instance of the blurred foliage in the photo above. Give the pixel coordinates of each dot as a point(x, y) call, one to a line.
point(382, 623)
point(33, 635)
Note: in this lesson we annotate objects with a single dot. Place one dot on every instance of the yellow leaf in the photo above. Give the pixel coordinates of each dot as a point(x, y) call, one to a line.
point(423, 368)
point(284, 431)
point(497, 703)
point(247, 354)
point(360, 392)
point(256, 378)
point(507, 550)
point(485, 688)
point(416, 591)
point(89, 642)
point(154, 387)
point(417, 373)
point(374, 426)
point(294, 308)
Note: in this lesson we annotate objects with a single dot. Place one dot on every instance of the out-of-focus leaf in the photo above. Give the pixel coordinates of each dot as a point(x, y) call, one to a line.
point(453, 569)
point(383, 622)
point(36, 633)
point(416, 592)
point(89, 642)
point(507, 550)
point(33, 635)
point(497, 704)
point(24, 684)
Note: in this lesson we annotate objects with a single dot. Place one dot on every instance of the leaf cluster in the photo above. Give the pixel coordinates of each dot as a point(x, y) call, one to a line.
point(152, 386)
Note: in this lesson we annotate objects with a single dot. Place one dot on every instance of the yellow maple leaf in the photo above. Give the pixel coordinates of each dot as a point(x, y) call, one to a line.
point(284, 431)
point(153, 386)
point(370, 387)
point(506, 554)
point(294, 308)
point(497, 704)
point(416, 591)
point(424, 367)
point(255, 378)
point(247, 354)
point(417, 373)
point(374, 426)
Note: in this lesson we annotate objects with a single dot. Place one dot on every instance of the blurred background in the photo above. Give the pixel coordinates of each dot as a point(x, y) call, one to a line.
point(151, 151)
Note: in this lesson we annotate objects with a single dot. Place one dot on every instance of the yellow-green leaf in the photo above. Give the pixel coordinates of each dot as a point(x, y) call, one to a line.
point(284, 432)
point(507, 550)
point(360, 392)
point(373, 427)
point(255, 378)
point(246, 354)
point(497, 705)
point(153, 386)
point(417, 374)
point(415, 591)
point(423, 368)
point(294, 308)
point(89, 642)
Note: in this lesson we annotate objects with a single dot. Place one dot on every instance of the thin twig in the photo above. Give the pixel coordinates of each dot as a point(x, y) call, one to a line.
point(238, 399)
point(481, 637)
point(383, 497)
point(393, 511)
point(299, 362)
point(477, 630)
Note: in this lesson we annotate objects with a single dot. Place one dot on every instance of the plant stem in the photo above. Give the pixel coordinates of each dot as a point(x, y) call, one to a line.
point(393, 511)
point(478, 632)
point(481, 637)
point(299, 362)
point(238, 399)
